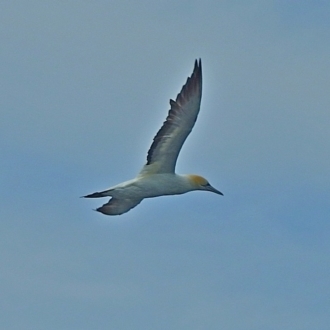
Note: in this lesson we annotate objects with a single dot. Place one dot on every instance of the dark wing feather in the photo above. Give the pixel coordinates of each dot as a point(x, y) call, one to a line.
point(178, 124)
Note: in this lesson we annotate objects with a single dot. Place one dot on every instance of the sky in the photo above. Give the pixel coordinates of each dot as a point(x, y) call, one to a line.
point(84, 88)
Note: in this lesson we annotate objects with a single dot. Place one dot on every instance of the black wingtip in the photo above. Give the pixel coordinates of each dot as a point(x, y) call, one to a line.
point(198, 68)
point(198, 63)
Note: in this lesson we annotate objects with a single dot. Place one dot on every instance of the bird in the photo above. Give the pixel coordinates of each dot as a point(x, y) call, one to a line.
point(157, 177)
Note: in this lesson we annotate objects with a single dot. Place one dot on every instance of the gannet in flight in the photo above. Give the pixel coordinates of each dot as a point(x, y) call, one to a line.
point(158, 177)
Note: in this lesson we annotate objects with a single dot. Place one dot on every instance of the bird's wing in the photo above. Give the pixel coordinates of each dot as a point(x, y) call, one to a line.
point(117, 206)
point(181, 118)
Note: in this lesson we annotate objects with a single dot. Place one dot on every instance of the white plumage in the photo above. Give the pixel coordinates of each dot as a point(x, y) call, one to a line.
point(158, 177)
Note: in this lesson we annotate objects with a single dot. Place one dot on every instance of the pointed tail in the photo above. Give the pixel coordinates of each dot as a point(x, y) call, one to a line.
point(104, 193)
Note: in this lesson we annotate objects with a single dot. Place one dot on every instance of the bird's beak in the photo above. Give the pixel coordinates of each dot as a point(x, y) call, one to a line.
point(212, 189)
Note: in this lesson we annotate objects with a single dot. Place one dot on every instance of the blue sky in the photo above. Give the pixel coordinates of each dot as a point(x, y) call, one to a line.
point(84, 88)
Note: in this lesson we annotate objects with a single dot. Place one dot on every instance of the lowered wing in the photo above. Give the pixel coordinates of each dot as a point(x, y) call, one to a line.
point(117, 206)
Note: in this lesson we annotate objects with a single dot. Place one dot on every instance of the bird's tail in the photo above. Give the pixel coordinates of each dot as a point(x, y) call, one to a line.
point(104, 193)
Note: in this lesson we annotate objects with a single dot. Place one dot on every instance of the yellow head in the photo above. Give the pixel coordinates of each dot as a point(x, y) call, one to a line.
point(198, 180)
point(201, 183)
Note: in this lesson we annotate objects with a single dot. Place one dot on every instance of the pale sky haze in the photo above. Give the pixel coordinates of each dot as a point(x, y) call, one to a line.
point(84, 88)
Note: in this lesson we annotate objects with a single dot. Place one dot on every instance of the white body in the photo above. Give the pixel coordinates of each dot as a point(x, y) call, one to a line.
point(152, 185)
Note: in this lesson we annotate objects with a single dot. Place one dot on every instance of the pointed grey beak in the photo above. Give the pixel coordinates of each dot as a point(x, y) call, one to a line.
point(210, 188)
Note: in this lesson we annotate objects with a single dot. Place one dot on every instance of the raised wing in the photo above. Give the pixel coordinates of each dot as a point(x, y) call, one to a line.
point(181, 118)
point(117, 206)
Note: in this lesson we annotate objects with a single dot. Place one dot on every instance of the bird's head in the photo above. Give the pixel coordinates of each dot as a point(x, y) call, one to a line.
point(200, 183)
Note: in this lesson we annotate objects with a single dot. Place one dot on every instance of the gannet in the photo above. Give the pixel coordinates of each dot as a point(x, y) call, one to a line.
point(158, 177)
